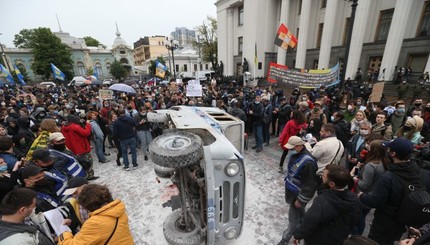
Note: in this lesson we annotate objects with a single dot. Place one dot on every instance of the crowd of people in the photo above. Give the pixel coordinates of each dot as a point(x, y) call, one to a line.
point(334, 142)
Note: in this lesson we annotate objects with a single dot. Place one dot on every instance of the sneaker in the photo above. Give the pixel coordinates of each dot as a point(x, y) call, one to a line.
point(259, 149)
point(118, 162)
point(107, 154)
point(146, 158)
point(281, 169)
point(93, 178)
point(266, 144)
point(104, 161)
point(126, 168)
point(135, 167)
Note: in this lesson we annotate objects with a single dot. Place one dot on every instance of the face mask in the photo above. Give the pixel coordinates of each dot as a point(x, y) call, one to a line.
point(358, 103)
point(332, 118)
point(41, 182)
point(150, 99)
point(417, 104)
point(257, 102)
point(129, 108)
point(350, 108)
point(3, 104)
point(400, 110)
point(304, 99)
point(293, 152)
point(59, 147)
point(93, 103)
point(143, 113)
point(3, 168)
point(364, 132)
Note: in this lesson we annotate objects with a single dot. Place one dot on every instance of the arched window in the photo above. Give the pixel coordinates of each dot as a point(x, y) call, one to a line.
point(81, 69)
point(123, 61)
point(98, 70)
point(108, 67)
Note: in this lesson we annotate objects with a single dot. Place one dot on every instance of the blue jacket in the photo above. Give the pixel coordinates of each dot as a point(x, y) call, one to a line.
point(124, 128)
point(10, 160)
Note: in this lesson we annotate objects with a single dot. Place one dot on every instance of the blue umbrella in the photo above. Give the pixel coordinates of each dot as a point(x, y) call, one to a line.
point(121, 87)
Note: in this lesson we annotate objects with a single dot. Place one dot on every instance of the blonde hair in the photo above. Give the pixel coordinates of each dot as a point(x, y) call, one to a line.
point(49, 124)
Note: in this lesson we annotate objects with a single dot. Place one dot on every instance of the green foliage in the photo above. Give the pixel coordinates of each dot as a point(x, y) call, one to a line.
point(23, 71)
point(117, 70)
point(90, 41)
point(24, 38)
point(47, 48)
point(90, 71)
point(208, 41)
point(151, 67)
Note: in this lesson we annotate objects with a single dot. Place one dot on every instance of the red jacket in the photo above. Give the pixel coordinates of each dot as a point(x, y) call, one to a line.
point(290, 129)
point(77, 138)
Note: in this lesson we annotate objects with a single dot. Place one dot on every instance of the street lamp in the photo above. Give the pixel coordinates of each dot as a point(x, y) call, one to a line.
point(4, 56)
point(199, 41)
point(348, 40)
point(172, 45)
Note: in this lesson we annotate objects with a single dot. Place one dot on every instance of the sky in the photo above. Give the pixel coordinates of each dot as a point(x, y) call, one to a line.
point(97, 18)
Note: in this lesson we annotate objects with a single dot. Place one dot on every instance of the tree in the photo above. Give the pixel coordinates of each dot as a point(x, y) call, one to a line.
point(92, 42)
point(24, 38)
point(47, 48)
point(117, 70)
point(208, 41)
point(152, 66)
point(23, 72)
point(90, 71)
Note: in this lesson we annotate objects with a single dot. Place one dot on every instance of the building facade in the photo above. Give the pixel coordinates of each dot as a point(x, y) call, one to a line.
point(148, 48)
point(385, 34)
point(184, 36)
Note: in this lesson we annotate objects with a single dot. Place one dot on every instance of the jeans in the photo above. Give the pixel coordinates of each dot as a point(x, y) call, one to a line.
point(124, 146)
point(98, 143)
point(258, 134)
point(295, 218)
point(145, 137)
point(266, 133)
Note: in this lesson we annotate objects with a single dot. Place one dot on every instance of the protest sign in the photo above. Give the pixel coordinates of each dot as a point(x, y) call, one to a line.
point(194, 89)
point(105, 94)
point(377, 90)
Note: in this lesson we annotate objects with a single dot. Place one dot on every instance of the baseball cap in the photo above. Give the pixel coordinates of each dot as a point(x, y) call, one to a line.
point(73, 185)
point(294, 141)
point(401, 146)
point(42, 155)
point(30, 170)
point(56, 136)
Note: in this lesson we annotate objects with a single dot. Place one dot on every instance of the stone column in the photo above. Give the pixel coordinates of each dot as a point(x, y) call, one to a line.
point(303, 35)
point(229, 63)
point(359, 29)
point(327, 35)
point(395, 38)
point(285, 8)
point(427, 68)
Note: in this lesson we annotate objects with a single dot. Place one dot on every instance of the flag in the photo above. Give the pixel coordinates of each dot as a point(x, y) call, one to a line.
point(284, 38)
point(19, 75)
point(160, 69)
point(57, 73)
point(95, 73)
point(6, 74)
point(256, 57)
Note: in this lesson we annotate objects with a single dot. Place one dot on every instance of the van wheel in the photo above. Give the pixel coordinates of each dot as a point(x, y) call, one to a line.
point(176, 235)
point(163, 172)
point(176, 149)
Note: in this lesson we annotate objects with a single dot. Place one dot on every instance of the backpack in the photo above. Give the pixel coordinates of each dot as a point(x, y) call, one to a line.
point(414, 209)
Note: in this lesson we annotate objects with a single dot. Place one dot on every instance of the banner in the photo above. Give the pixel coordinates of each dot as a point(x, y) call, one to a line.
point(19, 75)
point(303, 78)
point(160, 69)
point(284, 38)
point(105, 94)
point(57, 73)
point(377, 90)
point(194, 89)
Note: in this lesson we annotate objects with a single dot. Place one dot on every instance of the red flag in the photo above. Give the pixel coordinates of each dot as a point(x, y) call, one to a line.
point(284, 38)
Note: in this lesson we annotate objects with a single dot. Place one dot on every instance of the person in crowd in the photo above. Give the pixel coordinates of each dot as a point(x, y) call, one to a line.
point(237, 111)
point(359, 240)
point(333, 212)
point(12, 126)
point(256, 111)
point(47, 126)
point(143, 129)
point(295, 126)
point(108, 222)
point(97, 136)
point(359, 118)
point(388, 192)
point(24, 130)
point(402, 89)
point(350, 111)
point(15, 207)
point(7, 152)
point(112, 118)
point(8, 179)
point(317, 113)
point(382, 128)
point(314, 128)
point(357, 145)
point(411, 130)
point(304, 108)
point(342, 128)
point(77, 134)
point(398, 118)
point(77, 214)
point(267, 120)
point(284, 112)
point(3, 130)
point(124, 128)
point(417, 104)
point(300, 185)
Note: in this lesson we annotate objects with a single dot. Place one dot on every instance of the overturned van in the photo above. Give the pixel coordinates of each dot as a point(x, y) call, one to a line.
point(204, 146)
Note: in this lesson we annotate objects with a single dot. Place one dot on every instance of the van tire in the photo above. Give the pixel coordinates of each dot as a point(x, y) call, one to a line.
point(176, 149)
point(163, 172)
point(175, 236)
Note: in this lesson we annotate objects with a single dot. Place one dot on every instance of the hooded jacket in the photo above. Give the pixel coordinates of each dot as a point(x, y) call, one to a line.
point(290, 129)
point(330, 218)
point(124, 128)
point(21, 234)
point(100, 225)
point(77, 138)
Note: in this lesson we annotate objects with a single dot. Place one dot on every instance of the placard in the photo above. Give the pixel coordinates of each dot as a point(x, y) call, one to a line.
point(377, 90)
point(194, 89)
point(105, 94)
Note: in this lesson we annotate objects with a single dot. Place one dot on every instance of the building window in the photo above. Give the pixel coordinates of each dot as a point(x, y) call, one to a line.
point(108, 67)
point(424, 27)
point(195, 67)
point(176, 68)
point(123, 61)
point(417, 62)
point(81, 69)
point(320, 32)
point(300, 7)
point(201, 66)
point(315, 64)
point(260, 65)
point(206, 66)
point(98, 70)
point(185, 67)
point(384, 24)
point(346, 31)
point(240, 20)
point(323, 4)
point(297, 33)
point(240, 45)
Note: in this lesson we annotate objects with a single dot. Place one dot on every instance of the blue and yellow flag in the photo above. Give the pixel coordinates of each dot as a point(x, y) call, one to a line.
point(57, 73)
point(160, 69)
point(19, 75)
point(6, 74)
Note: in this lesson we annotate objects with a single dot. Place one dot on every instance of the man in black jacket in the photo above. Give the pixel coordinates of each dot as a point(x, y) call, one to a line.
point(300, 184)
point(256, 112)
point(342, 127)
point(333, 212)
point(124, 129)
point(387, 195)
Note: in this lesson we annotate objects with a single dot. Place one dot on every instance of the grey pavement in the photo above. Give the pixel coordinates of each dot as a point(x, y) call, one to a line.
point(265, 207)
